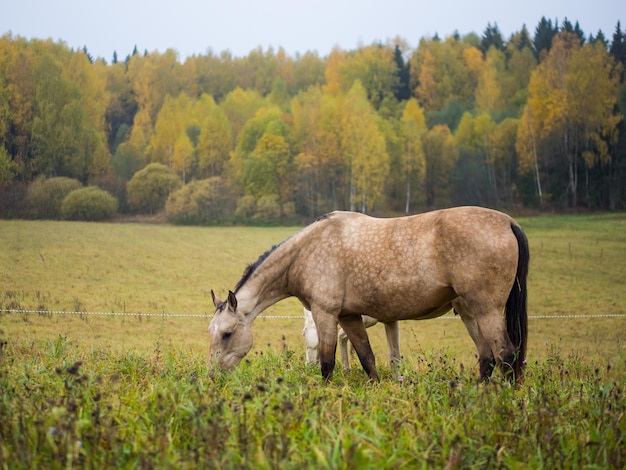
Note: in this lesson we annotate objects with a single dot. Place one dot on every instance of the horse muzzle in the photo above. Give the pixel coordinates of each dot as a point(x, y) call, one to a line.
point(225, 362)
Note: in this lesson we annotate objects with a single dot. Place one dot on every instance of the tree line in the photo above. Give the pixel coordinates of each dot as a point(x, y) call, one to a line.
point(534, 121)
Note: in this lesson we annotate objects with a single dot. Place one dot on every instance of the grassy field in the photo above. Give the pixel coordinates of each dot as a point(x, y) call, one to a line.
point(134, 391)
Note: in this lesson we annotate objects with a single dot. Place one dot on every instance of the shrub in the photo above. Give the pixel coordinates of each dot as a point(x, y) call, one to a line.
point(89, 204)
point(112, 184)
point(267, 208)
point(45, 196)
point(150, 187)
point(246, 206)
point(289, 210)
point(200, 202)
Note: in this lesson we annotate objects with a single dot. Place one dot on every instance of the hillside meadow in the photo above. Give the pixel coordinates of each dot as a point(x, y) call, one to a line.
point(84, 390)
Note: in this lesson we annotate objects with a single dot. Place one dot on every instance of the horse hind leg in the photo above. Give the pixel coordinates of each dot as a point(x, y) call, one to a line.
point(355, 330)
point(310, 338)
point(486, 358)
point(493, 332)
point(342, 338)
point(392, 331)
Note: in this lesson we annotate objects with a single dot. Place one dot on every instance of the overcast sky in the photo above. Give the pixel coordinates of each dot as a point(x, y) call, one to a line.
point(194, 26)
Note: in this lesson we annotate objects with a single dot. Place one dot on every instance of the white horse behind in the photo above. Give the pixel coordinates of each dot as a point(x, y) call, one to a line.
point(312, 341)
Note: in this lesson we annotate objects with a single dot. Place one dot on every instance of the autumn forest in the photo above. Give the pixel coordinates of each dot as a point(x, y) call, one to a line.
point(534, 121)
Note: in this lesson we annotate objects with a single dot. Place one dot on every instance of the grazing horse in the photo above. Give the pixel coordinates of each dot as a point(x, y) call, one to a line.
point(312, 341)
point(346, 265)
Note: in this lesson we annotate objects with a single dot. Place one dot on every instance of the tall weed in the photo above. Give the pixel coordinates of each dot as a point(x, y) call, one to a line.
point(65, 406)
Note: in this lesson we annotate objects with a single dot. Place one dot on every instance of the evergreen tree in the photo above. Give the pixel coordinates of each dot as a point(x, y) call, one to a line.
point(618, 47)
point(89, 56)
point(522, 39)
point(579, 32)
point(492, 37)
point(403, 91)
point(544, 33)
point(574, 29)
point(600, 37)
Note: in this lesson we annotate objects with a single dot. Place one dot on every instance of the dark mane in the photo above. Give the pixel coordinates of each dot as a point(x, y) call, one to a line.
point(328, 215)
point(253, 266)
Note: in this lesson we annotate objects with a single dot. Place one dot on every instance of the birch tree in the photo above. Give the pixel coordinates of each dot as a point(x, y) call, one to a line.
point(572, 97)
point(364, 150)
point(414, 163)
point(441, 155)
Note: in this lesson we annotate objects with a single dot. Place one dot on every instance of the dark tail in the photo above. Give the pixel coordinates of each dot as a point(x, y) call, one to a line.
point(516, 309)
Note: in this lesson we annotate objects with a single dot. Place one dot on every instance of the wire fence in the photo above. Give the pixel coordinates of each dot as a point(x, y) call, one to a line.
point(272, 317)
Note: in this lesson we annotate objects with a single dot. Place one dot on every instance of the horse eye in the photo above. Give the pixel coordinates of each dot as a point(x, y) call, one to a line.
point(227, 335)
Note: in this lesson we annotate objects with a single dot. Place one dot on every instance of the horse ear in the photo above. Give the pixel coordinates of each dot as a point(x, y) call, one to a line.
point(216, 301)
point(232, 301)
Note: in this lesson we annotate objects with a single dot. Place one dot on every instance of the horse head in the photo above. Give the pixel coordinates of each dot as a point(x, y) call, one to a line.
point(230, 333)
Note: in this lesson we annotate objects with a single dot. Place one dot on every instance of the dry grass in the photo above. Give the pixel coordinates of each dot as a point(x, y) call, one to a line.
point(578, 266)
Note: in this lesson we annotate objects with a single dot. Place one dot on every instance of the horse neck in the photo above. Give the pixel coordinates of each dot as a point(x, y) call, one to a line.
point(267, 285)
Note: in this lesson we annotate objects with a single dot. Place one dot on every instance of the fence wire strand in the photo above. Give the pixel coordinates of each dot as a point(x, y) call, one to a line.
point(271, 317)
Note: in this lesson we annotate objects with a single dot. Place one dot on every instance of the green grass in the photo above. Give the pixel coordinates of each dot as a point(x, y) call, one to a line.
point(62, 407)
point(132, 391)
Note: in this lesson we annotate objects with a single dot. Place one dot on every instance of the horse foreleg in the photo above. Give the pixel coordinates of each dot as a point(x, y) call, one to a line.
point(355, 330)
point(342, 338)
point(392, 331)
point(327, 336)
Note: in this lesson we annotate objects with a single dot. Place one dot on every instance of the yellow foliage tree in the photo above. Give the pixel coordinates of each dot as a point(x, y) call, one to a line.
point(266, 170)
point(333, 72)
point(515, 78)
point(426, 90)
point(215, 140)
point(364, 149)
point(440, 71)
point(94, 99)
point(154, 76)
point(375, 67)
point(182, 156)
point(441, 155)
point(487, 95)
point(315, 138)
point(572, 97)
point(172, 121)
point(414, 163)
point(240, 106)
point(473, 59)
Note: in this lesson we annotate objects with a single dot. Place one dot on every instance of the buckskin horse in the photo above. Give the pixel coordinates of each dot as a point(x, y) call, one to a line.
point(345, 265)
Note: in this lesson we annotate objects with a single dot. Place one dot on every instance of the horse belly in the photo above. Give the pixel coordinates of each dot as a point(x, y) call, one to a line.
point(412, 302)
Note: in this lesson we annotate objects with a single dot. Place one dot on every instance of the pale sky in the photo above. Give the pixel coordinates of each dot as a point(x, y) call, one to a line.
point(239, 26)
